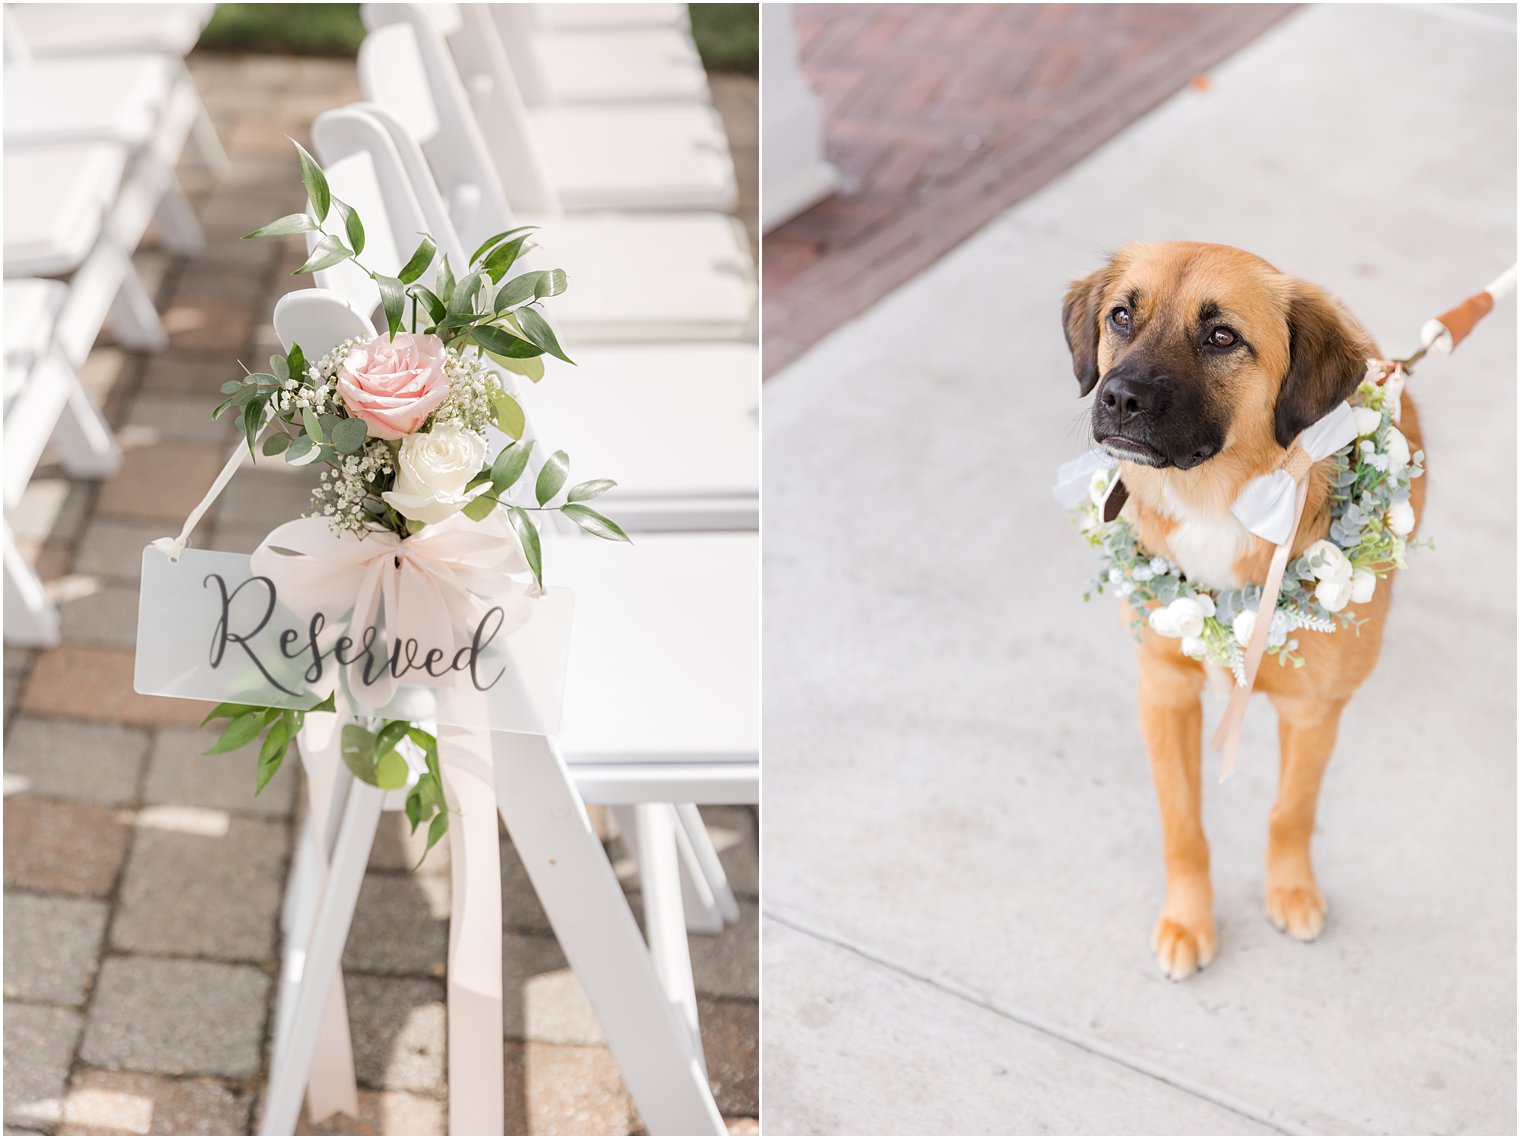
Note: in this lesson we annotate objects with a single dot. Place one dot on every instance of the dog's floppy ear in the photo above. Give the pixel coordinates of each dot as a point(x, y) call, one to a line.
point(1327, 358)
point(1079, 313)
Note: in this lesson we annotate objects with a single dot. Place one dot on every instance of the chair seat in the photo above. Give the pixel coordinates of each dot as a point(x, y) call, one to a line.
point(613, 263)
point(697, 405)
point(119, 99)
point(604, 17)
point(640, 65)
point(665, 649)
point(56, 199)
point(106, 29)
point(671, 157)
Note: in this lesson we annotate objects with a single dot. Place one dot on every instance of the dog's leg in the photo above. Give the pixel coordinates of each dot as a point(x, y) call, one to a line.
point(1306, 730)
point(1171, 720)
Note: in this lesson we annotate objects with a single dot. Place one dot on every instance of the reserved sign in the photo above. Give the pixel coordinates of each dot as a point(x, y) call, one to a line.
point(210, 628)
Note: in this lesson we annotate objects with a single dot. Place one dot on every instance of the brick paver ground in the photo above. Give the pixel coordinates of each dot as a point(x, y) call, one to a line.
point(939, 117)
point(143, 879)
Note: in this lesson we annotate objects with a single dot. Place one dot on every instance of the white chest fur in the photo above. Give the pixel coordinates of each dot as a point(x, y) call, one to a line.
point(1205, 546)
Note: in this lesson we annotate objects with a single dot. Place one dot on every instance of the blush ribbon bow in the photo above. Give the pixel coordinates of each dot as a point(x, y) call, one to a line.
point(1271, 507)
point(432, 584)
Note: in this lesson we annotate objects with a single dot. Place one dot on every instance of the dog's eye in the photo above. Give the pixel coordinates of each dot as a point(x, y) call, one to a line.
point(1221, 337)
point(1119, 318)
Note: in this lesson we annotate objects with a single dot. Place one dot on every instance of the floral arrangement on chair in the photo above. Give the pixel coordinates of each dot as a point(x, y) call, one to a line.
point(399, 425)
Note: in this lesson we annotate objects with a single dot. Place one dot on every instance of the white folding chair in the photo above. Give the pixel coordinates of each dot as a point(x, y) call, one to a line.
point(611, 257)
point(144, 103)
point(44, 400)
point(677, 423)
point(617, 66)
point(77, 210)
point(36, 32)
point(107, 29)
point(651, 728)
point(664, 156)
point(609, 17)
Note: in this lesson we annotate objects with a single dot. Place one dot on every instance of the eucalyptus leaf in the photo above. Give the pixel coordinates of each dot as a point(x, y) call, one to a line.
point(276, 443)
point(551, 477)
point(282, 227)
point(302, 451)
point(391, 771)
point(502, 343)
point(313, 425)
point(583, 491)
point(509, 465)
point(537, 329)
point(348, 436)
point(316, 182)
point(358, 749)
point(239, 733)
point(510, 419)
point(527, 534)
point(279, 368)
point(593, 523)
point(324, 255)
point(419, 261)
point(352, 226)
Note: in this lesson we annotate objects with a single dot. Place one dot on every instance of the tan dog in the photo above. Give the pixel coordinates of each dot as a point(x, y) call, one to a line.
point(1207, 362)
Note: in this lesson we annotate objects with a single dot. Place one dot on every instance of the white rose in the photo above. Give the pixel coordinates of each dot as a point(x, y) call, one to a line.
point(1398, 451)
point(1182, 618)
point(1206, 602)
point(1333, 595)
point(1243, 626)
point(1329, 563)
point(1363, 583)
point(1159, 566)
point(1193, 647)
point(1367, 420)
point(1401, 518)
point(431, 472)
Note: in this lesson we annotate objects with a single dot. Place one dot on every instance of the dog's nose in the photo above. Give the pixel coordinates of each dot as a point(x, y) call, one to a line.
point(1129, 393)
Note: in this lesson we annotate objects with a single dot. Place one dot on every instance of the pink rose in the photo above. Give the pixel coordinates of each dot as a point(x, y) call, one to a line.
point(394, 385)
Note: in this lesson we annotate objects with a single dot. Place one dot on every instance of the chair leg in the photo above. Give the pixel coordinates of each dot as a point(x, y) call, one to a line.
point(477, 1092)
point(294, 1066)
point(665, 916)
point(207, 145)
point(89, 447)
point(699, 853)
point(133, 315)
point(30, 618)
point(647, 1034)
point(178, 228)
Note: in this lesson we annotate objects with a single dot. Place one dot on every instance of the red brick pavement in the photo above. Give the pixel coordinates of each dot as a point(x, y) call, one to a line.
point(940, 116)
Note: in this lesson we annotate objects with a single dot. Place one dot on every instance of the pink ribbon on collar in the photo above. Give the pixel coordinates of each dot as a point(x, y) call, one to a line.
point(1272, 506)
point(432, 585)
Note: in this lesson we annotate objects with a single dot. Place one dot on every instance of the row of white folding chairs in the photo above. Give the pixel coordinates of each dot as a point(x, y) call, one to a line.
point(682, 727)
point(97, 111)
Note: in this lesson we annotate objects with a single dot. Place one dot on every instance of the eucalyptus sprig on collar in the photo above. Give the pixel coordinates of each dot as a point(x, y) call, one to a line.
point(1370, 521)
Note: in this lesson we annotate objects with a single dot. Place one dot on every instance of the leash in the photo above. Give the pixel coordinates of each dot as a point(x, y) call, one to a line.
point(1441, 335)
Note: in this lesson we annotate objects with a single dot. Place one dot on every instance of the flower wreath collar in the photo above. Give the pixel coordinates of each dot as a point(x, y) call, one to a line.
point(1370, 520)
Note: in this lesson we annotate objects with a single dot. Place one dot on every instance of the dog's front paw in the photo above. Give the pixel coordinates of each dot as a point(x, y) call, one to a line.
point(1182, 948)
point(1297, 909)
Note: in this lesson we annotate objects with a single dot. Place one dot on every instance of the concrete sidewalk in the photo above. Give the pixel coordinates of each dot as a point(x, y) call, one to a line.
point(962, 859)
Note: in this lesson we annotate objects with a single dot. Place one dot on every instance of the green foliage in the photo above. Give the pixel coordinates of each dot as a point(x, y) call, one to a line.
point(285, 29)
point(727, 36)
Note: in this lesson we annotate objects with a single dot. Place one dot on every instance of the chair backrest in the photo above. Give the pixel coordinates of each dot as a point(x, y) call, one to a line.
point(517, 33)
point(471, 165)
point(318, 320)
point(363, 169)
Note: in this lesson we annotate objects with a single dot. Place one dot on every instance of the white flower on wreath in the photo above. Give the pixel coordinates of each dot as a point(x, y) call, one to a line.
point(1329, 562)
point(432, 470)
point(1097, 487)
point(1367, 421)
point(1401, 518)
point(1398, 451)
point(1184, 617)
point(1244, 626)
point(1334, 594)
point(1363, 584)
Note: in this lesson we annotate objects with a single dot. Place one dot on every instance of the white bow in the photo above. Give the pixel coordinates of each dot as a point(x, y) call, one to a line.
point(1266, 506)
point(1074, 478)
